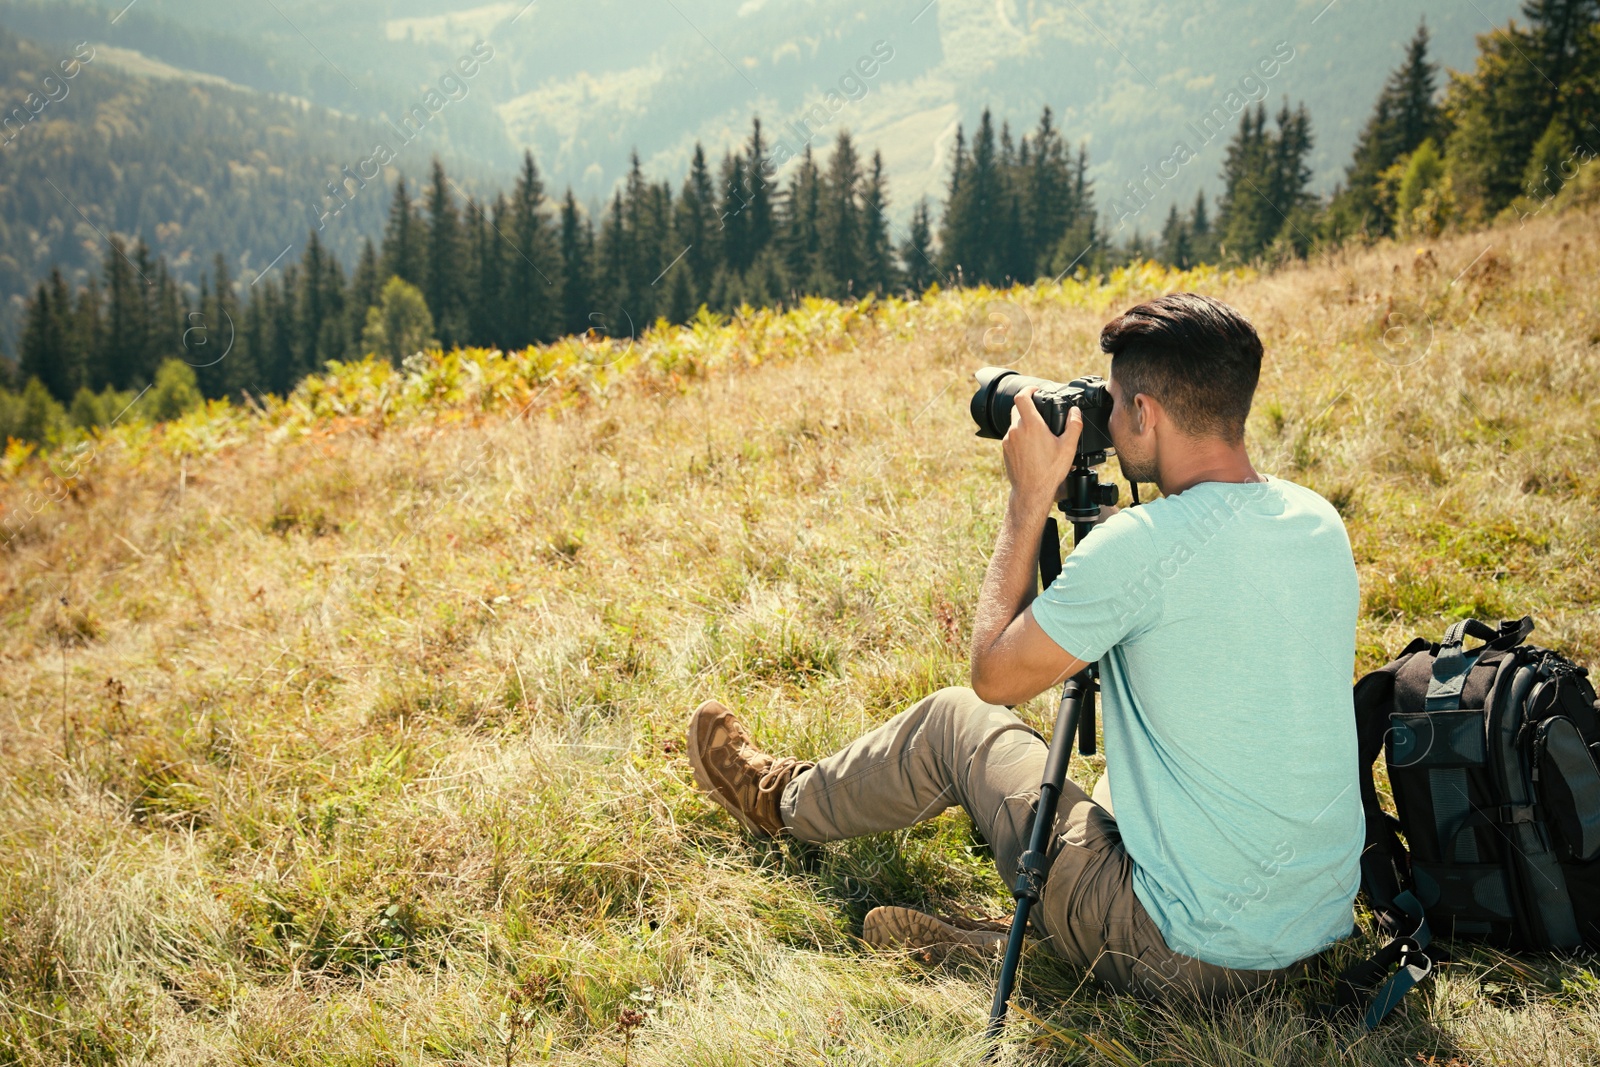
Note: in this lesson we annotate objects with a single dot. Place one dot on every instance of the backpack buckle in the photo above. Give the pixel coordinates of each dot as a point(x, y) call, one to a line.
point(1512, 814)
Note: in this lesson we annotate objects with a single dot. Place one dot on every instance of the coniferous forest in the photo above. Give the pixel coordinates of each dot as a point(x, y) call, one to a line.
point(527, 266)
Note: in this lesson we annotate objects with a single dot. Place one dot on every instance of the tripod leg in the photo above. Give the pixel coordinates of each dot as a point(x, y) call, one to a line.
point(1035, 862)
point(1086, 722)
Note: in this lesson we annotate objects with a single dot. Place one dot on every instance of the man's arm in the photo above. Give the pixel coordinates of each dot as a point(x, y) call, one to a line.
point(1013, 660)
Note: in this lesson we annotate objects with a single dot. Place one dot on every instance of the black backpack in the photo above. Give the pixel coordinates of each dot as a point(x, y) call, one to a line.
point(1492, 756)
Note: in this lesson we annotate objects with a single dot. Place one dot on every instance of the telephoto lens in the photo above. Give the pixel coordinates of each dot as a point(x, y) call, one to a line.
point(997, 393)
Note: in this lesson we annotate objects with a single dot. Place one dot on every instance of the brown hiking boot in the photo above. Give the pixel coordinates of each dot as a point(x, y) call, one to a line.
point(932, 939)
point(737, 774)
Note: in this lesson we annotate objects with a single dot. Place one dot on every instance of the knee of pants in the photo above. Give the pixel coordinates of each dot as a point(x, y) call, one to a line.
point(957, 710)
point(954, 700)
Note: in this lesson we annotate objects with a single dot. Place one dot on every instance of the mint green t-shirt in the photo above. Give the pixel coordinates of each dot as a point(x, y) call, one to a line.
point(1223, 619)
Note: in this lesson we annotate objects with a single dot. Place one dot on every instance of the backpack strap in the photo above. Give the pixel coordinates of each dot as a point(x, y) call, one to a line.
point(1449, 784)
point(1405, 954)
point(1451, 665)
point(1385, 867)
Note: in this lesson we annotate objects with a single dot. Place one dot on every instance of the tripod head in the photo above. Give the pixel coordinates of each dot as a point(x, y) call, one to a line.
point(1085, 496)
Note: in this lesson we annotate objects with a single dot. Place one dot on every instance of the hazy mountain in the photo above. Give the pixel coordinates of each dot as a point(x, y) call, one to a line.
point(585, 84)
point(190, 164)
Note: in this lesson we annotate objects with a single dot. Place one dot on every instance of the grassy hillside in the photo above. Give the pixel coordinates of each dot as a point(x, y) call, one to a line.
point(349, 731)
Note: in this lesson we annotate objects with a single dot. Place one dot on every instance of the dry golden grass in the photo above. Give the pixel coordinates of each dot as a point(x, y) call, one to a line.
point(356, 738)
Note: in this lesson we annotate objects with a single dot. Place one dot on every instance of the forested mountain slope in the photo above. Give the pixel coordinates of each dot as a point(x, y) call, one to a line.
point(192, 169)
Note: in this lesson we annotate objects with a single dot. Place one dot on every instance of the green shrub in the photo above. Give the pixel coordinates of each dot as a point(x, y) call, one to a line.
point(175, 391)
point(399, 324)
point(90, 410)
point(31, 415)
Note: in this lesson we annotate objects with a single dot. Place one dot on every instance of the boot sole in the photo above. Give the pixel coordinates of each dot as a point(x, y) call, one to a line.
point(908, 930)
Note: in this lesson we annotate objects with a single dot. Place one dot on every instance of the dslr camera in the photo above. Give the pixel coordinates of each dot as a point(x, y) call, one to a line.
point(997, 393)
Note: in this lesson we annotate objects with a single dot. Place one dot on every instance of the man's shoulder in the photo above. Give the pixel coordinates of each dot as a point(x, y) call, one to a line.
point(1270, 498)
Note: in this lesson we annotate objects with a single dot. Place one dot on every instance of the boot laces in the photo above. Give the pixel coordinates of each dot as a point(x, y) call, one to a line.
point(777, 775)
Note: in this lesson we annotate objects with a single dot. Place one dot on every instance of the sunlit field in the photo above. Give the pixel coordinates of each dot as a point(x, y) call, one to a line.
point(349, 729)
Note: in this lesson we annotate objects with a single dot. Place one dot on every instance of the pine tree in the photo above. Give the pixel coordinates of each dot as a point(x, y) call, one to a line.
point(474, 237)
point(171, 319)
point(733, 217)
point(1289, 186)
point(88, 335)
point(637, 244)
point(577, 260)
point(657, 249)
point(144, 303)
point(1243, 223)
point(974, 205)
point(211, 344)
point(916, 252)
point(1013, 251)
point(252, 374)
point(1565, 46)
point(443, 261)
point(483, 252)
point(877, 251)
point(1404, 116)
point(314, 306)
point(532, 300)
point(43, 352)
point(1048, 203)
point(697, 225)
point(1266, 196)
point(332, 339)
point(958, 170)
point(1202, 245)
point(803, 227)
point(1006, 235)
point(403, 251)
point(611, 275)
point(759, 176)
point(62, 334)
point(1175, 246)
point(125, 320)
point(841, 218)
point(279, 364)
point(364, 289)
point(680, 304)
point(1414, 86)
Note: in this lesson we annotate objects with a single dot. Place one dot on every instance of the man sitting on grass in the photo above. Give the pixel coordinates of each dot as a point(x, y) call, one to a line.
point(1222, 616)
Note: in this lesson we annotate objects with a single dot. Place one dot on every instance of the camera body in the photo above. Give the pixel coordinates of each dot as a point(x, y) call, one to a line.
point(997, 392)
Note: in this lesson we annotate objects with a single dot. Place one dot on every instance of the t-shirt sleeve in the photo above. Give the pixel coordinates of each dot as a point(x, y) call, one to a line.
point(1108, 590)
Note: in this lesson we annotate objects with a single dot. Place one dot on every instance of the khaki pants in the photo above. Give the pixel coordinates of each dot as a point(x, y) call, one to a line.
point(952, 748)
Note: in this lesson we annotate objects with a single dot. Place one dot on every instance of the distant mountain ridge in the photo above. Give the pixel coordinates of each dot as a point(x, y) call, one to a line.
point(191, 168)
point(586, 84)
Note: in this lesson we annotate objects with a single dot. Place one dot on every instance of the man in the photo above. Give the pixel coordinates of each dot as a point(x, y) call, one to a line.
point(1222, 616)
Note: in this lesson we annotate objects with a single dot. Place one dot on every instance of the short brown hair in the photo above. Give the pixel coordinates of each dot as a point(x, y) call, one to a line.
point(1199, 357)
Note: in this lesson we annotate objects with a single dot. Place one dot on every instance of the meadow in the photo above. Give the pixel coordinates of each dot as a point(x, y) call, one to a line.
point(348, 728)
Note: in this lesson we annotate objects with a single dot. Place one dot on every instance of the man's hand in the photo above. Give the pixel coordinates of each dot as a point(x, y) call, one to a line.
point(1012, 658)
point(1037, 461)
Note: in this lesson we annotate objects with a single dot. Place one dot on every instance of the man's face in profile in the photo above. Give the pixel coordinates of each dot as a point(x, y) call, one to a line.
point(1135, 450)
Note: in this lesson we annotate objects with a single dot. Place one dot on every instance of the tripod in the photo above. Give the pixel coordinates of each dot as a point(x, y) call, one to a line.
point(1074, 716)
